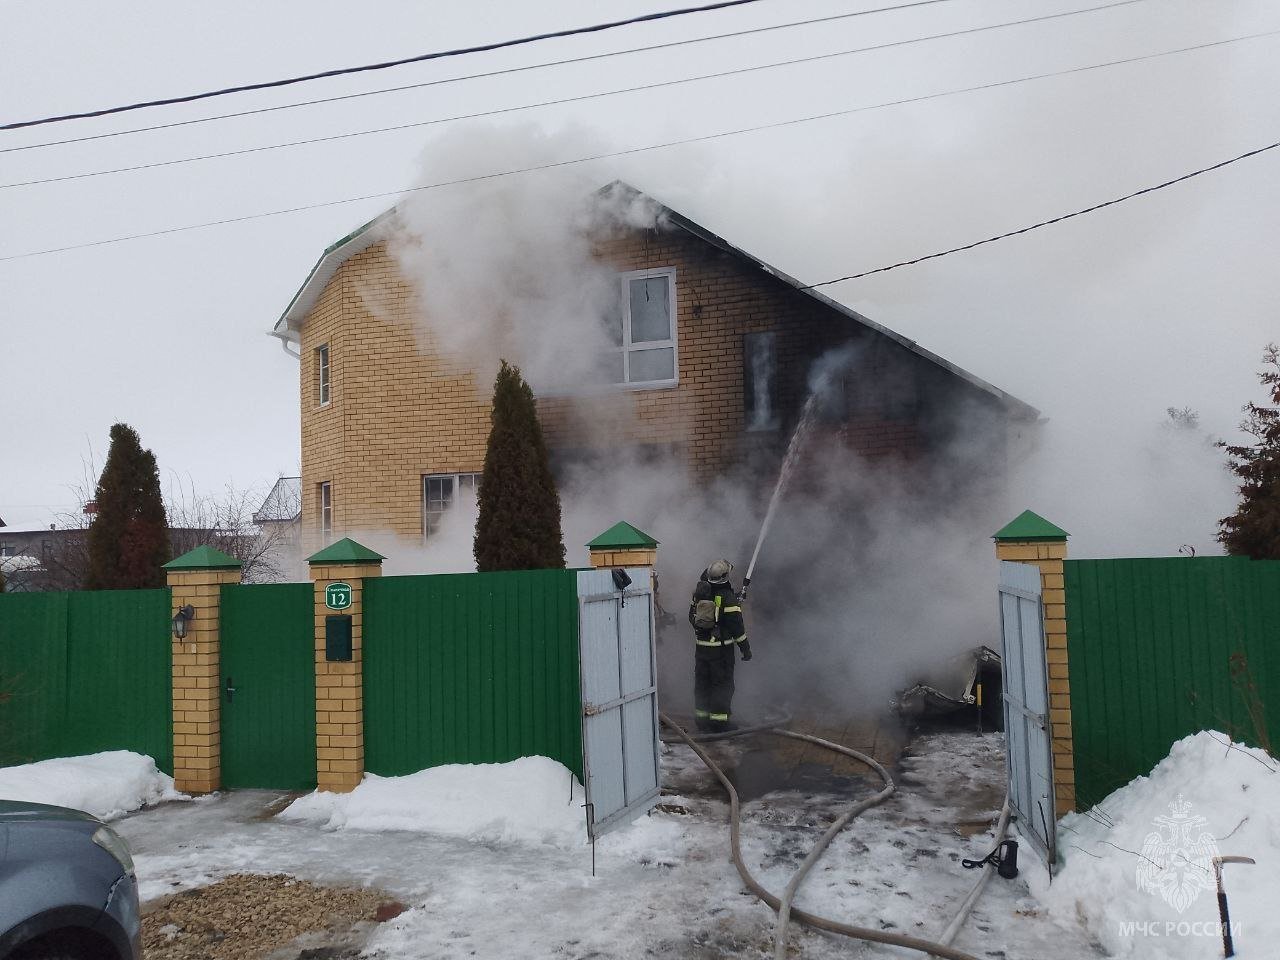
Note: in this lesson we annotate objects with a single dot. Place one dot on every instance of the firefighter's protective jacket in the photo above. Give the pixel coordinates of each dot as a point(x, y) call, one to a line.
point(729, 626)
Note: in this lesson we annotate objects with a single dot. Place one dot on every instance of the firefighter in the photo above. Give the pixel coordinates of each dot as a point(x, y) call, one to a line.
point(716, 616)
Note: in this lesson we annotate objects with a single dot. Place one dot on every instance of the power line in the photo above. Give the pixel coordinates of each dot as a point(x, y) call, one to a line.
point(1047, 223)
point(566, 100)
point(421, 58)
point(472, 76)
point(630, 151)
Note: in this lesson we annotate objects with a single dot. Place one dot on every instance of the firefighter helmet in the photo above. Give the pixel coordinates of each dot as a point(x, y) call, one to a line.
point(718, 571)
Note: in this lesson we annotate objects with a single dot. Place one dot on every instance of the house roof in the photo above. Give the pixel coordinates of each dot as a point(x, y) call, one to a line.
point(377, 229)
point(283, 503)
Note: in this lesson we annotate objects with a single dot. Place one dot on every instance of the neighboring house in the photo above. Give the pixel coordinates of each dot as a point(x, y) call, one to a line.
point(716, 376)
point(57, 558)
point(42, 558)
point(282, 508)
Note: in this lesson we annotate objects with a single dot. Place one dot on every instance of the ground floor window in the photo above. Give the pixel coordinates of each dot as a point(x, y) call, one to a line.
point(439, 492)
point(325, 508)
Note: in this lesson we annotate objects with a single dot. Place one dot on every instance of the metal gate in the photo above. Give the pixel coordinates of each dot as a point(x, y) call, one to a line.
point(1026, 706)
point(619, 697)
point(268, 686)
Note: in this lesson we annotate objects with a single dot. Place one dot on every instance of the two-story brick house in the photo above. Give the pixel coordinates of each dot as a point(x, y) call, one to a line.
point(714, 348)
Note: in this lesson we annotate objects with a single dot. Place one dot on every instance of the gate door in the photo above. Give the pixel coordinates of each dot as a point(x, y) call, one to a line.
point(1026, 706)
point(619, 698)
point(268, 686)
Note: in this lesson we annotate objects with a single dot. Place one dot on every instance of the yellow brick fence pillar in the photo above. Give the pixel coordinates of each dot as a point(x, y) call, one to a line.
point(622, 545)
point(196, 580)
point(1032, 539)
point(338, 573)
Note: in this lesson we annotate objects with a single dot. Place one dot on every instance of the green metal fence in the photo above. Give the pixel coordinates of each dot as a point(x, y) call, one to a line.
point(471, 668)
point(85, 672)
point(1162, 648)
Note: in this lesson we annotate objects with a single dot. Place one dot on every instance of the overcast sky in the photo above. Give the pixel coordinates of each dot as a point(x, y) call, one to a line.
point(1166, 300)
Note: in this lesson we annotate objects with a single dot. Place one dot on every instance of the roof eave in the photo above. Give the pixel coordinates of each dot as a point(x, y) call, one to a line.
point(291, 320)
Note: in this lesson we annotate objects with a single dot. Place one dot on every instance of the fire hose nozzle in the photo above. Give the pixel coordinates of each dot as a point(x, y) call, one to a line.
point(746, 582)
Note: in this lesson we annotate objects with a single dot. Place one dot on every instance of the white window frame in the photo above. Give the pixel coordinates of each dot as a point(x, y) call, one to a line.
point(460, 480)
point(324, 379)
point(325, 497)
point(628, 347)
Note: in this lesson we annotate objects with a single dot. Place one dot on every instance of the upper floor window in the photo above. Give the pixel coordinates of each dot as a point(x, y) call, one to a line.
point(6, 549)
point(760, 381)
point(325, 509)
point(642, 328)
point(322, 374)
point(439, 492)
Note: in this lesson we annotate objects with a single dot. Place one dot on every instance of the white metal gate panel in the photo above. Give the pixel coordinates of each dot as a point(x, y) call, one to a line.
point(620, 745)
point(1026, 706)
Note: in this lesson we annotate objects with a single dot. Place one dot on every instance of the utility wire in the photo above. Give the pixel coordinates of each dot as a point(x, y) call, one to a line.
point(472, 76)
point(630, 151)
point(566, 100)
point(1046, 223)
point(421, 58)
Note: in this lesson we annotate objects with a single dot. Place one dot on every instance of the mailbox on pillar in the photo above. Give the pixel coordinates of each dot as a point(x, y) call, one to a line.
point(337, 638)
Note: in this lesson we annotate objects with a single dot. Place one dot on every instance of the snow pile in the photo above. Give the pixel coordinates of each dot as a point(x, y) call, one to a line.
point(107, 785)
point(1138, 866)
point(533, 800)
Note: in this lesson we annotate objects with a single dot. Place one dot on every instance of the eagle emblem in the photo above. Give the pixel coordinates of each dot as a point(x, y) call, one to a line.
point(1177, 858)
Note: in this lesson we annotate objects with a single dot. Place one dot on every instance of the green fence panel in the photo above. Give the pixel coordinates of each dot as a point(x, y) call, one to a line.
point(268, 655)
point(33, 675)
point(471, 668)
point(1150, 644)
point(85, 672)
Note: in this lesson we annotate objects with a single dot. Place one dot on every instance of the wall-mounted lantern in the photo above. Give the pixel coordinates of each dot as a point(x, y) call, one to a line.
point(180, 620)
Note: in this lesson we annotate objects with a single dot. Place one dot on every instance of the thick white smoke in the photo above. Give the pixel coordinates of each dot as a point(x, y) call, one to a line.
point(870, 577)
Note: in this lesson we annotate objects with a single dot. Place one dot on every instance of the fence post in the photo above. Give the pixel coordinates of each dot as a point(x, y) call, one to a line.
point(622, 545)
point(1032, 539)
point(340, 682)
point(196, 579)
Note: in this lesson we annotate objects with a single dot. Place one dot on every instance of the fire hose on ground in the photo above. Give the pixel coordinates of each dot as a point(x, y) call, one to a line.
point(784, 906)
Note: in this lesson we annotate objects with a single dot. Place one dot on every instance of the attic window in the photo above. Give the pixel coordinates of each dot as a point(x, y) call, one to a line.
point(642, 328)
point(322, 374)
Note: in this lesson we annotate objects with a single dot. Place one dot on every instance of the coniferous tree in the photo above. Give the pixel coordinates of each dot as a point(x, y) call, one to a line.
point(1254, 529)
point(519, 523)
point(129, 536)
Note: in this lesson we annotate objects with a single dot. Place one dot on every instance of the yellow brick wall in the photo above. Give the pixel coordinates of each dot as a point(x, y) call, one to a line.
point(399, 412)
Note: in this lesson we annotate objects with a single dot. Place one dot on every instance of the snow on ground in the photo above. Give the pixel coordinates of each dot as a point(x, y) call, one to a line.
point(531, 800)
point(1138, 868)
point(108, 785)
point(664, 886)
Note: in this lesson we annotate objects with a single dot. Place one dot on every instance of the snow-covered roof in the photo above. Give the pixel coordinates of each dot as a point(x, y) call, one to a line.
point(362, 238)
point(17, 562)
point(283, 503)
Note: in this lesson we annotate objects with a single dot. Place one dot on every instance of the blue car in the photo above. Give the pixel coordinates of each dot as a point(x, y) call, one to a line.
point(67, 887)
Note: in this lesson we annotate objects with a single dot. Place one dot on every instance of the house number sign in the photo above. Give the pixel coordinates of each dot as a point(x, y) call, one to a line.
point(337, 596)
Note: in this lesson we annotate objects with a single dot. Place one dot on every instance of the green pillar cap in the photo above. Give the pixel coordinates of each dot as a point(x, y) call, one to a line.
point(622, 535)
point(1030, 527)
point(203, 558)
point(346, 550)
